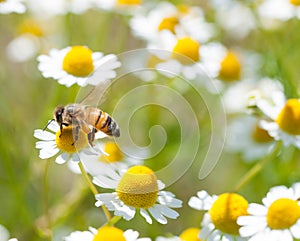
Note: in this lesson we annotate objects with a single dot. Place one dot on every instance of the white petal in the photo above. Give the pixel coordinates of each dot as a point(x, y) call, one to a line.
point(62, 158)
point(105, 182)
point(47, 153)
point(131, 235)
point(155, 212)
point(295, 229)
point(125, 211)
point(44, 135)
point(167, 198)
point(78, 235)
point(166, 211)
point(257, 209)
point(145, 214)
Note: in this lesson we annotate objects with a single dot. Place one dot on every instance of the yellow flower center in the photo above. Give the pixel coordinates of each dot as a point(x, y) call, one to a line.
point(1, 1)
point(129, 2)
point(260, 135)
point(289, 117)
point(30, 26)
point(283, 213)
point(190, 234)
point(230, 68)
point(115, 154)
point(65, 140)
point(109, 234)
point(295, 2)
point(138, 187)
point(168, 24)
point(225, 211)
point(78, 61)
point(187, 47)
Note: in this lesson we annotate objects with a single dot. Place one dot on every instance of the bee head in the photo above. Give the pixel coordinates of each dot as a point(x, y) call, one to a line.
point(58, 112)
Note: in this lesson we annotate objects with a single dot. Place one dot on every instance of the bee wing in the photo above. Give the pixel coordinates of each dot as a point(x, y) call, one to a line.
point(95, 95)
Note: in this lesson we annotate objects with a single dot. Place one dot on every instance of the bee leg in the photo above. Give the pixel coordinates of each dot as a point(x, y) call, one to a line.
point(76, 134)
point(91, 136)
point(61, 127)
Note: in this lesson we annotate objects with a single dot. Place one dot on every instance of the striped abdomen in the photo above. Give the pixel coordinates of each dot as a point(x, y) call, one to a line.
point(102, 121)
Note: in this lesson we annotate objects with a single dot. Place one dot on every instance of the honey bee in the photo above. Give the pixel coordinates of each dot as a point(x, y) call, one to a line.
point(89, 119)
point(82, 116)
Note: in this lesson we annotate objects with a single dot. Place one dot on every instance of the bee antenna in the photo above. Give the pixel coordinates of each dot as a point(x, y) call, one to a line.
point(48, 124)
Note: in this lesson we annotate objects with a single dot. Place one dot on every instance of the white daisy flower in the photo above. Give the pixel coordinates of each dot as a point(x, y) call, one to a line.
point(245, 136)
point(247, 92)
point(220, 220)
point(189, 234)
point(179, 19)
point(137, 188)
point(107, 233)
point(282, 10)
point(229, 65)
point(277, 219)
point(78, 64)
point(12, 6)
point(228, 15)
point(54, 142)
point(178, 55)
point(283, 118)
point(110, 159)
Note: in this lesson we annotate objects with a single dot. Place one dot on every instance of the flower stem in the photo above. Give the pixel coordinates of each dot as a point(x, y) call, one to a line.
point(93, 189)
point(113, 221)
point(47, 231)
point(256, 168)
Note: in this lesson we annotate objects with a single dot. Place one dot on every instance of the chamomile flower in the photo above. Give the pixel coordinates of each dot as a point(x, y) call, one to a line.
point(137, 188)
point(28, 42)
point(282, 10)
point(55, 142)
point(228, 15)
point(178, 54)
point(76, 64)
point(106, 233)
point(278, 218)
point(111, 159)
point(189, 234)
point(179, 19)
point(283, 118)
point(220, 220)
point(245, 136)
point(12, 6)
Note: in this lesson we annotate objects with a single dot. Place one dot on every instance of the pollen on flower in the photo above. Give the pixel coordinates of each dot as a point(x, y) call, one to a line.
point(190, 234)
point(225, 211)
point(168, 24)
point(115, 154)
point(108, 233)
point(295, 2)
point(78, 61)
point(188, 47)
point(230, 69)
point(129, 2)
point(138, 187)
point(289, 117)
point(65, 140)
point(260, 135)
point(283, 213)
